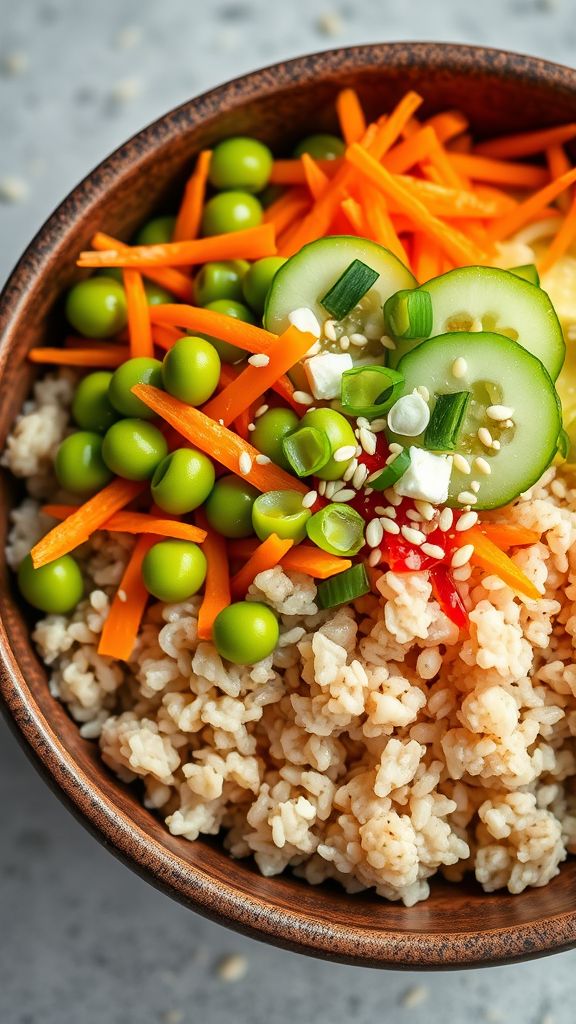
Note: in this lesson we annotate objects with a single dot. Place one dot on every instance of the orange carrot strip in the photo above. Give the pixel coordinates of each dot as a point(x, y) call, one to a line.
point(190, 212)
point(138, 315)
point(242, 422)
point(172, 280)
point(315, 177)
point(390, 128)
point(166, 336)
point(354, 213)
point(448, 124)
point(350, 116)
point(266, 556)
point(452, 242)
point(302, 558)
point(207, 321)
point(462, 144)
point(285, 389)
point(101, 355)
point(525, 211)
point(83, 523)
point(558, 164)
point(411, 151)
point(251, 384)
point(508, 535)
point(490, 558)
point(289, 207)
point(121, 627)
point(526, 143)
point(484, 203)
point(561, 241)
point(221, 444)
point(426, 258)
point(136, 522)
point(217, 586)
point(250, 244)
point(499, 172)
point(381, 228)
point(291, 172)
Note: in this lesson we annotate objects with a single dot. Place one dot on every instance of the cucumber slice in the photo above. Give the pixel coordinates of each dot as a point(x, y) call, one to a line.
point(497, 371)
point(306, 278)
point(500, 302)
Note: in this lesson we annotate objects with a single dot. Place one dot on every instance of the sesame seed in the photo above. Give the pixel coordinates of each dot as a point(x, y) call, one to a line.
point(259, 359)
point(345, 495)
point(368, 491)
point(413, 515)
point(460, 557)
point(350, 470)
point(392, 497)
point(387, 342)
point(330, 330)
point(374, 476)
point(251, 426)
point(389, 526)
point(344, 342)
point(378, 425)
point(460, 463)
point(459, 367)
point(485, 437)
point(343, 454)
point(262, 459)
point(499, 412)
point(359, 340)
point(391, 458)
point(122, 595)
point(423, 392)
point(374, 533)
point(426, 510)
point(303, 398)
point(483, 466)
point(261, 410)
point(367, 440)
point(245, 463)
point(387, 511)
point(360, 475)
point(507, 424)
point(362, 422)
point(412, 536)
point(467, 521)
point(322, 487)
point(463, 573)
point(374, 558)
point(359, 449)
point(475, 486)
point(309, 499)
point(467, 498)
point(446, 519)
point(395, 447)
point(434, 550)
point(221, 422)
point(496, 446)
point(331, 487)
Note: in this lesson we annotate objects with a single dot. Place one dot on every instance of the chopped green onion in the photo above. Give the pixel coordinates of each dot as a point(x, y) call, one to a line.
point(370, 390)
point(528, 272)
point(391, 473)
point(307, 450)
point(337, 529)
point(344, 587)
point(446, 420)
point(350, 287)
point(563, 444)
point(282, 513)
point(408, 314)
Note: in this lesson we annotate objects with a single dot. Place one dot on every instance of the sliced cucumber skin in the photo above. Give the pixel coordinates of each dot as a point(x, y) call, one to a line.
point(310, 273)
point(479, 291)
point(524, 384)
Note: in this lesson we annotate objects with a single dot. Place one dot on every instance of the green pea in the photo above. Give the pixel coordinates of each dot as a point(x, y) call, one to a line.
point(229, 507)
point(280, 512)
point(258, 280)
point(55, 588)
point(96, 307)
point(271, 428)
point(182, 481)
point(230, 353)
point(133, 448)
point(156, 295)
point(240, 163)
point(230, 211)
point(91, 407)
point(174, 570)
point(140, 370)
point(191, 370)
point(79, 465)
point(245, 632)
point(321, 147)
point(340, 434)
point(221, 280)
point(156, 231)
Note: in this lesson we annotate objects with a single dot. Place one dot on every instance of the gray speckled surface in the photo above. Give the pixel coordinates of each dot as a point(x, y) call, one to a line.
point(82, 940)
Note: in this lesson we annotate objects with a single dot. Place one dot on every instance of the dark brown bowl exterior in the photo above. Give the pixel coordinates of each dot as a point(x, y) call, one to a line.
point(460, 925)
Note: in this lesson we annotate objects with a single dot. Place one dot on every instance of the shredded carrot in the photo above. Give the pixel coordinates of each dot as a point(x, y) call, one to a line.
point(251, 384)
point(488, 556)
point(426, 258)
point(509, 147)
point(248, 244)
point(452, 242)
point(190, 212)
point(350, 116)
point(217, 585)
point(525, 211)
point(88, 518)
point(172, 280)
point(354, 214)
point(448, 125)
point(561, 241)
point(291, 172)
point(123, 623)
point(208, 321)
point(138, 315)
point(136, 522)
point(285, 389)
point(107, 356)
point(484, 203)
point(499, 172)
point(382, 229)
point(166, 336)
point(509, 535)
point(316, 179)
point(462, 144)
point(410, 151)
point(221, 444)
point(242, 422)
point(287, 209)
point(390, 128)
point(301, 558)
point(266, 556)
point(558, 164)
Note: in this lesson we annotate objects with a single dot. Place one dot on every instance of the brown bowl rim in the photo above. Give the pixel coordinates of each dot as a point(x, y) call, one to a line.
point(183, 881)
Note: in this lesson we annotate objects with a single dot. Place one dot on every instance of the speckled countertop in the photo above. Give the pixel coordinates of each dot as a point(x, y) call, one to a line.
point(82, 940)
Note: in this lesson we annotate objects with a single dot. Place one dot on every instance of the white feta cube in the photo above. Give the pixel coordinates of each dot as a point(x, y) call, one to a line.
point(427, 477)
point(324, 373)
point(305, 320)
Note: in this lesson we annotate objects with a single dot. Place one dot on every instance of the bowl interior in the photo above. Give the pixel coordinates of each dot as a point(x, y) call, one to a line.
point(459, 925)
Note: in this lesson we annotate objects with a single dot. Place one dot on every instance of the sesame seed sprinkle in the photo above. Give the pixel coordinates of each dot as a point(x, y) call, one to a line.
point(459, 367)
point(413, 515)
point(463, 573)
point(303, 398)
point(499, 412)
point(261, 410)
point(412, 536)
point(460, 463)
point(462, 556)
point(309, 499)
point(467, 498)
point(475, 486)
point(259, 359)
point(374, 558)
point(446, 519)
point(389, 526)
point(496, 446)
point(434, 550)
point(466, 521)
point(485, 437)
point(426, 510)
point(360, 475)
point(331, 487)
point(330, 330)
point(374, 533)
point(350, 469)
point(395, 447)
point(392, 497)
point(423, 392)
point(251, 426)
point(262, 459)
point(378, 425)
point(483, 466)
point(322, 487)
point(345, 495)
point(367, 440)
point(359, 340)
point(344, 453)
point(244, 463)
point(344, 343)
point(387, 342)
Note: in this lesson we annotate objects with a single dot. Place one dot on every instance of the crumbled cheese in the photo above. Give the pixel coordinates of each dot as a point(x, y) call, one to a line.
point(304, 319)
point(409, 415)
point(324, 373)
point(427, 477)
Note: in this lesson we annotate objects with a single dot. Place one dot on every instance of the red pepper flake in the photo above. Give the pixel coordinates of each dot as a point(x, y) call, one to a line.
point(448, 596)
